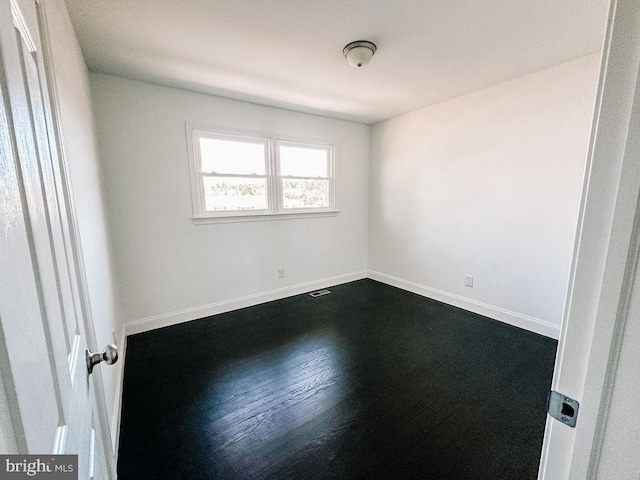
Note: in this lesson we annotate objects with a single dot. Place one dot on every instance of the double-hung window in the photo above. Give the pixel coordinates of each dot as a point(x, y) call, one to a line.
point(234, 175)
point(306, 176)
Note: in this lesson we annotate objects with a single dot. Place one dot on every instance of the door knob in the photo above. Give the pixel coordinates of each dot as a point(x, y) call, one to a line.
point(109, 356)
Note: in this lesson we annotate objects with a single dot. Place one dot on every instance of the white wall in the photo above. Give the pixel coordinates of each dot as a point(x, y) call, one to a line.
point(169, 269)
point(486, 184)
point(72, 80)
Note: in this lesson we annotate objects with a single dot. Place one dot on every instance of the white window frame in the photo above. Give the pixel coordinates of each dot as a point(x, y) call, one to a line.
point(275, 200)
point(330, 177)
point(198, 175)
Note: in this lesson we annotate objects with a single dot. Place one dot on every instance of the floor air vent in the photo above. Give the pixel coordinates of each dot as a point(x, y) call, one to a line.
point(320, 293)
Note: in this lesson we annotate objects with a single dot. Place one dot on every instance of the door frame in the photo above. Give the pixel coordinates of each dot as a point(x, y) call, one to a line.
point(604, 256)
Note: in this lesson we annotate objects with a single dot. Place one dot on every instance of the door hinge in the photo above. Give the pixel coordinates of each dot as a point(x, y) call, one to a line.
point(563, 408)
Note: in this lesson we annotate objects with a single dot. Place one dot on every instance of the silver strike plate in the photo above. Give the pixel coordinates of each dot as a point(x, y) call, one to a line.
point(563, 408)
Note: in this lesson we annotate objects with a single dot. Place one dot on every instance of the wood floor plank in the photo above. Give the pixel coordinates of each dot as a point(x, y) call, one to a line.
point(368, 382)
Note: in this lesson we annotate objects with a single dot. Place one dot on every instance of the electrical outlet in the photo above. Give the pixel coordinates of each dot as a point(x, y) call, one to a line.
point(281, 273)
point(469, 281)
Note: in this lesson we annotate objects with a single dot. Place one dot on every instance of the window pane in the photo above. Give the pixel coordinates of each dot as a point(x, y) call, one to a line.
point(305, 193)
point(304, 162)
point(224, 193)
point(227, 156)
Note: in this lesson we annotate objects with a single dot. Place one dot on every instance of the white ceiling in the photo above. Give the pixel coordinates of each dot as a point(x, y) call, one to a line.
point(288, 53)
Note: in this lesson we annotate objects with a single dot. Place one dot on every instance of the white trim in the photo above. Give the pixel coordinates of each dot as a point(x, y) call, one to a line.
point(172, 318)
point(20, 23)
point(60, 440)
point(496, 313)
point(73, 358)
point(241, 131)
point(203, 220)
point(526, 322)
point(630, 286)
point(116, 409)
point(92, 455)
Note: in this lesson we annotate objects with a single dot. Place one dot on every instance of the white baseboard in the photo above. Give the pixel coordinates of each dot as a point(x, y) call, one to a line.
point(172, 318)
point(512, 318)
point(117, 401)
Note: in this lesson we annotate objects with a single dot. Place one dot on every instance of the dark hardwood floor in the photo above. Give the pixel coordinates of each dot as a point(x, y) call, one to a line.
point(370, 382)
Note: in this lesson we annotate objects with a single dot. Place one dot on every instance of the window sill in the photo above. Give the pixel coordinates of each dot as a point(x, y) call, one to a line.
point(262, 217)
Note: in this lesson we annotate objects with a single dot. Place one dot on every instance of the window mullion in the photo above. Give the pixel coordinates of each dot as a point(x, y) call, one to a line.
point(276, 179)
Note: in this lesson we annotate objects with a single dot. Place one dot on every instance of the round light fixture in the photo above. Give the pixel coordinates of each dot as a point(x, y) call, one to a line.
point(359, 53)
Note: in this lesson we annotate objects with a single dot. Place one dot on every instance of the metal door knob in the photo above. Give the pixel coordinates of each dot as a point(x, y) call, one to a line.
point(109, 356)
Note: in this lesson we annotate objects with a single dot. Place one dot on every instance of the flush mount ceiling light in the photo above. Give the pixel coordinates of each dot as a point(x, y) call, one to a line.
point(359, 53)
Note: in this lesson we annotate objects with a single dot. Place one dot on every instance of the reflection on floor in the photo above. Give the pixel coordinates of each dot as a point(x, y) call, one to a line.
point(368, 382)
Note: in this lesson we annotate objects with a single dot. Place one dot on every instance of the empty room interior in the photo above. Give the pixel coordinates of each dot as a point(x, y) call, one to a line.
point(327, 239)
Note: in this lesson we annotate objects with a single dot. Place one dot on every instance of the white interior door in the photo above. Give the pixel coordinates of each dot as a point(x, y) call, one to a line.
point(600, 283)
point(48, 405)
